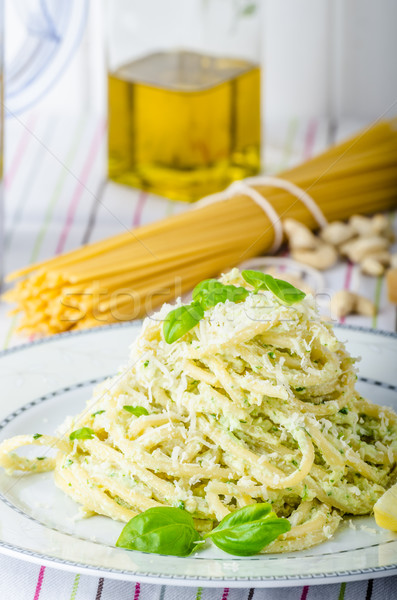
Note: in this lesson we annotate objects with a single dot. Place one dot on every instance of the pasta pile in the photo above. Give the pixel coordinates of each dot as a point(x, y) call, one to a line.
point(256, 403)
point(129, 275)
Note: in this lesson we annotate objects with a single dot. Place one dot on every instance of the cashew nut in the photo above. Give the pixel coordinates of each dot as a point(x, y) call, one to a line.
point(365, 306)
point(380, 223)
point(362, 226)
point(359, 248)
point(299, 236)
point(372, 266)
point(383, 256)
point(337, 233)
point(322, 257)
point(343, 303)
point(346, 303)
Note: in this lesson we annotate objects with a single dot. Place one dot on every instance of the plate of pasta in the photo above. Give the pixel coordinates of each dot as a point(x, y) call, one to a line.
point(242, 441)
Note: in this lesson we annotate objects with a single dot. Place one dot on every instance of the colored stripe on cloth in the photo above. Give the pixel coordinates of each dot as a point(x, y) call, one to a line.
point(169, 211)
point(75, 587)
point(137, 591)
point(342, 591)
point(20, 151)
point(162, 592)
point(305, 592)
point(93, 212)
point(370, 586)
point(378, 294)
point(136, 220)
point(199, 593)
point(99, 589)
point(39, 583)
point(81, 186)
point(251, 593)
point(225, 594)
point(310, 139)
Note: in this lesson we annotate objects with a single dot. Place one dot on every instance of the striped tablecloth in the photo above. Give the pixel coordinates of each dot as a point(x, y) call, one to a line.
point(57, 198)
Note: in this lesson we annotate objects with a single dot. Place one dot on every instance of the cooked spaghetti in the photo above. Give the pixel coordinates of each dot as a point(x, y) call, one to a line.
point(255, 403)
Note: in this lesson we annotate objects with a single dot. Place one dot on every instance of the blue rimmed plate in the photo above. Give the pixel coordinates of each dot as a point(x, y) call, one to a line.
point(47, 380)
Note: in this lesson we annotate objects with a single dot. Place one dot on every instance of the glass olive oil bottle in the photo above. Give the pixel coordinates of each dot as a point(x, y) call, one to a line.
point(183, 124)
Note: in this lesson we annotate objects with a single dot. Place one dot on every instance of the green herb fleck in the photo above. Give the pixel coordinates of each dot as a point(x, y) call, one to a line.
point(36, 436)
point(136, 410)
point(85, 433)
point(98, 412)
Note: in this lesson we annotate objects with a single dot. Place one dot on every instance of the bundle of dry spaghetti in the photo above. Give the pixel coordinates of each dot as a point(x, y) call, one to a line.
point(128, 275)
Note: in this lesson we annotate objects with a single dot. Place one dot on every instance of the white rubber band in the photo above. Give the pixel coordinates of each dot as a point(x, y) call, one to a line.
point(293, 189)
point(244, 187)
point(240, 187)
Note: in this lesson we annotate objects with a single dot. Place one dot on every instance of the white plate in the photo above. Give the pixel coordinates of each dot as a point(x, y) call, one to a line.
point(44, 381)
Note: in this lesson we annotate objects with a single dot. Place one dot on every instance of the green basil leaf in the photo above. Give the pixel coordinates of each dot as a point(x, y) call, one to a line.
point(162, 529)
point(36, 436)
point(136, 410)
point(211, 292)
point(204, 288)
point(283, 290)
point(85, 433)
point(255, 278)
point(286, 292)
point(235, 293)
point(180, 320)
point(247, 530)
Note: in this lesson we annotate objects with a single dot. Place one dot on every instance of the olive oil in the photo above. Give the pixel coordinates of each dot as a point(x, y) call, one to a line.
point(183, 124)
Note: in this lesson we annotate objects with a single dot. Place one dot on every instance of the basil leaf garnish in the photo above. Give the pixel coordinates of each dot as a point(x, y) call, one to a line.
point(85, 433)
point(36, 436)
point(247, 530)
point(286, 292)
point(162, 529)
point(211, 291)
point(283, 290)
point(136, 410)
point(181, 320)
point(255, 278)
point(206, 294)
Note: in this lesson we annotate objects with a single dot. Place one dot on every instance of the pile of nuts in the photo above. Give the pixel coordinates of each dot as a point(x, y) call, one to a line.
point(362, 240)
